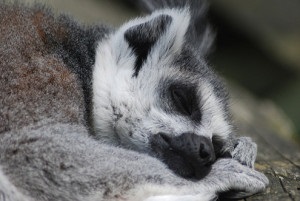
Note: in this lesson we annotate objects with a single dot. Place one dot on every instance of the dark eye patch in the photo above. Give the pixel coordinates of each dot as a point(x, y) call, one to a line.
point(182, 101)
point(186, 101)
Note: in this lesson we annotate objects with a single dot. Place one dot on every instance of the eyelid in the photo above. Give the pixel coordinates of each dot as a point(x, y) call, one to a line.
point(186, 101)
point(182, 101)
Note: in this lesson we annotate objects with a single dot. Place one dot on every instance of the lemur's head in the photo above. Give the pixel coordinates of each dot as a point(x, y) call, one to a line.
point(154, 93)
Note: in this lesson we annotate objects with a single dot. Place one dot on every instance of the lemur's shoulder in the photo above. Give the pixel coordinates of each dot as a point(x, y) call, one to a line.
point(43, 60)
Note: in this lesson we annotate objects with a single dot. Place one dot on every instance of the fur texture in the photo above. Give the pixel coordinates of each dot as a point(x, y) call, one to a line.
point(80, 107)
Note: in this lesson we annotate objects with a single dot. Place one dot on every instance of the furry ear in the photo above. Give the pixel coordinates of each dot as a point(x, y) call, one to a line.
point(142, 37)
point(157, 36)
point(200, 34)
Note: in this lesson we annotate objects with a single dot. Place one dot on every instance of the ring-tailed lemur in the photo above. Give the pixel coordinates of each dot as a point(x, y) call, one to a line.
point(134, 113)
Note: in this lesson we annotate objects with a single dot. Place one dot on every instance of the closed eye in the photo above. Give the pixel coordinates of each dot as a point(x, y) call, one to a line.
point(186, 101)
point(181, 101)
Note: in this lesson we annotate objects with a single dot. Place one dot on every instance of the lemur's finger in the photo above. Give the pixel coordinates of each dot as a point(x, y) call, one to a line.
point(245, 151)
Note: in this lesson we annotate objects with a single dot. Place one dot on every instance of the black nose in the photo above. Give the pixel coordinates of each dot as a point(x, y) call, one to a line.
point(188, 155)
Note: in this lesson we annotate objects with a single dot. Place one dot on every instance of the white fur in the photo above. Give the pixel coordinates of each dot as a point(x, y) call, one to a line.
point(201, 197)
point(213, 115)
point(169, 193)
point(116, 92)
point(154, 192)
point(8, 192)
point(112, 77)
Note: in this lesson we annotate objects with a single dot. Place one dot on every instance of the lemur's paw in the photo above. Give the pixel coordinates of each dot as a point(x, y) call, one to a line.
point(245, 151)
point(236, 180)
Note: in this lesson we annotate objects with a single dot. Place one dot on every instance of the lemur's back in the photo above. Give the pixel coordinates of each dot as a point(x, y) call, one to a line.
point(37, 81)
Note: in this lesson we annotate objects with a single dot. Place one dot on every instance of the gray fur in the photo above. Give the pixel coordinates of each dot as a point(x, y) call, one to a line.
point(65, 136)
point(8, 192)
point(199, 26)
point(68, 165)
point(245, 143)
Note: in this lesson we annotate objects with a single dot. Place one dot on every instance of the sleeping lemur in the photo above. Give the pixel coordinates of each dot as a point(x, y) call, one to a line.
point(132, 113)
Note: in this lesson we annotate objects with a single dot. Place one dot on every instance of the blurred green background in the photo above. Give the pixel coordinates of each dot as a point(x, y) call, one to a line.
point(257, 44)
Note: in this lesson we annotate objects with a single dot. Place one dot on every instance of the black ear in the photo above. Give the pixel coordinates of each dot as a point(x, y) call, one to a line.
point(142, 37)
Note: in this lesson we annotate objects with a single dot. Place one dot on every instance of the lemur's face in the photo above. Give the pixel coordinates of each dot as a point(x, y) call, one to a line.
point(153, 93)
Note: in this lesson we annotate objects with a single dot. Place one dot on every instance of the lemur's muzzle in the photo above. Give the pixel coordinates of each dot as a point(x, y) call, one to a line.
point(188, 155)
